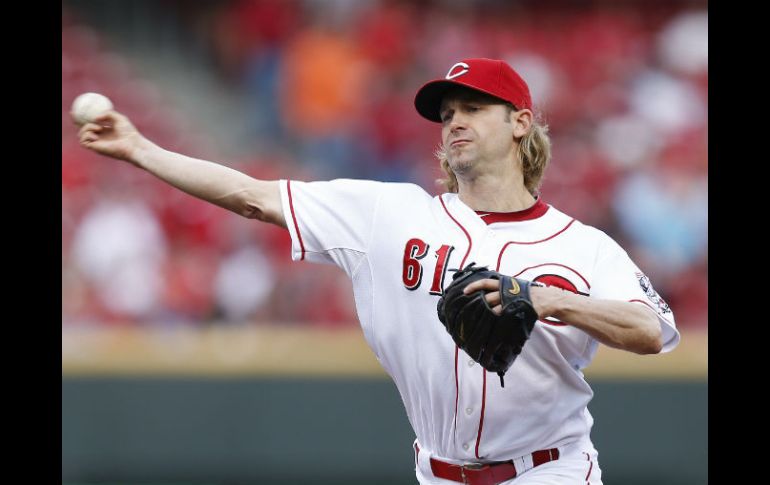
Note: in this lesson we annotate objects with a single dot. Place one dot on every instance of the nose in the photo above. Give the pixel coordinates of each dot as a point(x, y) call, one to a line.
point(457, 122)
point(453, 128)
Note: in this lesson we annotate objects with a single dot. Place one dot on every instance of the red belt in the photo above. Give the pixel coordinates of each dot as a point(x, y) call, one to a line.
point(485, 473)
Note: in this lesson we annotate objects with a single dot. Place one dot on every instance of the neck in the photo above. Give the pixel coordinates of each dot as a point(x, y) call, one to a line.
point(495, 192)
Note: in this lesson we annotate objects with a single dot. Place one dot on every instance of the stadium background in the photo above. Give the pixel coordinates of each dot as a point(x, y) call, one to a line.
point(179, 318)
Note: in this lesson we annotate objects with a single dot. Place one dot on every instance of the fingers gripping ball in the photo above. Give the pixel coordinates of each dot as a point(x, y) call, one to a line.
point(494, 341)
point(89, 106)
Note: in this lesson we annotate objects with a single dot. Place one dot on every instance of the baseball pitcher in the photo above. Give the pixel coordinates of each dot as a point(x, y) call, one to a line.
point(484, 304)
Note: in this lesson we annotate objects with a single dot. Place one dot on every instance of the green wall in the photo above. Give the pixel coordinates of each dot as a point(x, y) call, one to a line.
point(342, 431)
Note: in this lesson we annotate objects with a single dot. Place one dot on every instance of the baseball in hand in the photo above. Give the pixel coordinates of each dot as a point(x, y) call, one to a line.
point(89, 106)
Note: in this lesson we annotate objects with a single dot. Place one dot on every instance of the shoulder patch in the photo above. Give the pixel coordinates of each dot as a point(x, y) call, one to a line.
point(653, 295)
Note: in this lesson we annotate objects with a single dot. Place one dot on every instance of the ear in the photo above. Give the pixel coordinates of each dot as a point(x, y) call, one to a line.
point(522, 122)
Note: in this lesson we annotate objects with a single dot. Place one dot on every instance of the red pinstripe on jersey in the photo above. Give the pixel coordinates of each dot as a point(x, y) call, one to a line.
point(462, 263)
point(457, 384)
point(500, 257)
point(468, 236)
point(483, 405)
point(590, 467)
point(294, 218)
point(483, 397)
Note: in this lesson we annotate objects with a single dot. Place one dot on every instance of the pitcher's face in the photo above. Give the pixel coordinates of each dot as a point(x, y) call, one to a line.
point(475, 129)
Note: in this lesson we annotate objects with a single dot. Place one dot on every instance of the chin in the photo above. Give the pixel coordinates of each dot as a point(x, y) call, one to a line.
point(460, 165)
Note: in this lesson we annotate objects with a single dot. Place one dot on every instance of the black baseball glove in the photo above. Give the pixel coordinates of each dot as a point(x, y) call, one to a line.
point(494, 341)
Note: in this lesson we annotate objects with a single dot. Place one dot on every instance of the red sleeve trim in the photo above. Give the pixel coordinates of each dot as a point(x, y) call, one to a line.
point(294, 218)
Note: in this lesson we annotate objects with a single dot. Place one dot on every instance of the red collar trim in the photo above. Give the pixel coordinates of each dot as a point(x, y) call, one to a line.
point(537, 210)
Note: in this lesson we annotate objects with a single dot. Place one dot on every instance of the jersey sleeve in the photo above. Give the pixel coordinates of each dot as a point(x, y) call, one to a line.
point(330, 222)
point(617, 277)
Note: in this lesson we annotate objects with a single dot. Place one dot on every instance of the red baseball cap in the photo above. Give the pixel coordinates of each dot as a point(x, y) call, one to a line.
point(489, 76)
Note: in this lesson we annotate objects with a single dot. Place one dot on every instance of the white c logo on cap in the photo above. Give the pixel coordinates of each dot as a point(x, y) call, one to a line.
point(465, 67)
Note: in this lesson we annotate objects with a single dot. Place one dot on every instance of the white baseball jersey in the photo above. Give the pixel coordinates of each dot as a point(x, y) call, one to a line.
point(398, 245)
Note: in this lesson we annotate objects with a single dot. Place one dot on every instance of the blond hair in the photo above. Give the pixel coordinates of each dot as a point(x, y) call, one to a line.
point(534, 152)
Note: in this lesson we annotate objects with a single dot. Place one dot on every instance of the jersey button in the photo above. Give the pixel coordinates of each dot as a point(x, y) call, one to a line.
point(468, 410)
point(470, 363)
point(465, 446)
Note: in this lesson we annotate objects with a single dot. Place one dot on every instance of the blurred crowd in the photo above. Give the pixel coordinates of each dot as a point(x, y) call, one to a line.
point(328, 87)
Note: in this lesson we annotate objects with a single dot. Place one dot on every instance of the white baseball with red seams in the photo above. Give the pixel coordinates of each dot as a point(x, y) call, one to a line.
point(398, 244)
